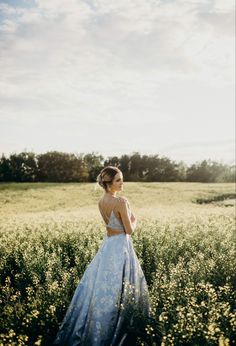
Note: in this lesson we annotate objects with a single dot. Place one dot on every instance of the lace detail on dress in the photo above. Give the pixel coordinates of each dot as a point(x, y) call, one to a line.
point(101, 309)
point(115, 223)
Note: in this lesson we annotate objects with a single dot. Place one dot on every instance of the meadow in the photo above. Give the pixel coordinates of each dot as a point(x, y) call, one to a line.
point(185, 242)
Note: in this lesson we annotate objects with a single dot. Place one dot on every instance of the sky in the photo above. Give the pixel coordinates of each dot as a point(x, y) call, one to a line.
point(117, 77)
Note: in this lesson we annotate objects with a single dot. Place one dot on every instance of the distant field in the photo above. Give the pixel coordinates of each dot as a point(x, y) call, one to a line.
point(40, 201)
point(50, 232)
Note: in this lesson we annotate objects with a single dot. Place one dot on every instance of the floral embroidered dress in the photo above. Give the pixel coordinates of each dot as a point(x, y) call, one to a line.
point(101, 307)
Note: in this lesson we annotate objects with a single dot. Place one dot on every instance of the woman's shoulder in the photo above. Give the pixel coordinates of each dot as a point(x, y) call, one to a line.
point(122, 201)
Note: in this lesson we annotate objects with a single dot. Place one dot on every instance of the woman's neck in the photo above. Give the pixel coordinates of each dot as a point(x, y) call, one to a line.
point(110, 194)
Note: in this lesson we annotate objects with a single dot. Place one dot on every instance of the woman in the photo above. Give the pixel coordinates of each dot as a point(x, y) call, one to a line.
point(113, 289)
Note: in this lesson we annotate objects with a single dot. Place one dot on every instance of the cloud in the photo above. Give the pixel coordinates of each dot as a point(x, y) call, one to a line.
point(218, 150)
point(160, 37)
point(106, 62)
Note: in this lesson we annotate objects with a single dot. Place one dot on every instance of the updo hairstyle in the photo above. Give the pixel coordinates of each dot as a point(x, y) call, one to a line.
point(106, 176)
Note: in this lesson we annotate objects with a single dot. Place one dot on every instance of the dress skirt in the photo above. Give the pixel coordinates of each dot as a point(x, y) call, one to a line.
point(111, 289)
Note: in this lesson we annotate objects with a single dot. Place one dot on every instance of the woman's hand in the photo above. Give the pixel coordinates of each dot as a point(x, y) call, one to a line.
point(132, 217)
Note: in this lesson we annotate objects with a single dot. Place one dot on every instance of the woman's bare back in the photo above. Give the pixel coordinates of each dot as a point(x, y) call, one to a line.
point(120, 208)
point(108, 204)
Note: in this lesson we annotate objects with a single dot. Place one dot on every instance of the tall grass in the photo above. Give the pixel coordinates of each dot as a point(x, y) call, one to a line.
point(49, 235)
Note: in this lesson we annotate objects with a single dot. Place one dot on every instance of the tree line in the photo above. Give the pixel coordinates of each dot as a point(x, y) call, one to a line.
point(55, 166)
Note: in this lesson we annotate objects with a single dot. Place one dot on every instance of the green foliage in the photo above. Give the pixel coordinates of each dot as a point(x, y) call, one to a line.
point(219, 197)
point(186, 250)
point(54, 166)
point(210, 171)
point(19, 167)
point(60, 167)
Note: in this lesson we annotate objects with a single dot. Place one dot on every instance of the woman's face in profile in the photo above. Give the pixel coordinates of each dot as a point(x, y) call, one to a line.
point(117, 184)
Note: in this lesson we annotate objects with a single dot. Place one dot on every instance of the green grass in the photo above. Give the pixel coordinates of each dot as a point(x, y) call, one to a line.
point(25, 186)
point(50, 233)
point(219, 197)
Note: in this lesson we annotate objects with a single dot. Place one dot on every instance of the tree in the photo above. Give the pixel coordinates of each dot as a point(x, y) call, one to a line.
point(93, 164)
point(56, 166)
point(5, 169)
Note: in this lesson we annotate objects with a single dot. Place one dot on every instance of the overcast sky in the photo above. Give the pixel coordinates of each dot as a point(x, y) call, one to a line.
point(118, 76)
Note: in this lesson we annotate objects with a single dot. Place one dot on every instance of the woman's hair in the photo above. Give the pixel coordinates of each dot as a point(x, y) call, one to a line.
point(106, 176)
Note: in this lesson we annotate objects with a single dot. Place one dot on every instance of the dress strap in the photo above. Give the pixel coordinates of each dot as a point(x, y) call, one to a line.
point(109, 218)
point(112, 211)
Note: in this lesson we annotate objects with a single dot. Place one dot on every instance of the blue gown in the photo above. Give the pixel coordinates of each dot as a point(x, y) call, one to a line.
point(101, 308)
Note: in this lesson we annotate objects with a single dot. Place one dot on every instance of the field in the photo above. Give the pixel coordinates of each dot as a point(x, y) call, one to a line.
point(50, 233)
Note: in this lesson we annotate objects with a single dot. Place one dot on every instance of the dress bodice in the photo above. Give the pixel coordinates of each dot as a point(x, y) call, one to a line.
point(116, 223)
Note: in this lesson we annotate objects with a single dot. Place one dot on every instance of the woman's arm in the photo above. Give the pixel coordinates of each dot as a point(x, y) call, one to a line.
point(132, 217)
point(133, 220)
point(124, 211)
